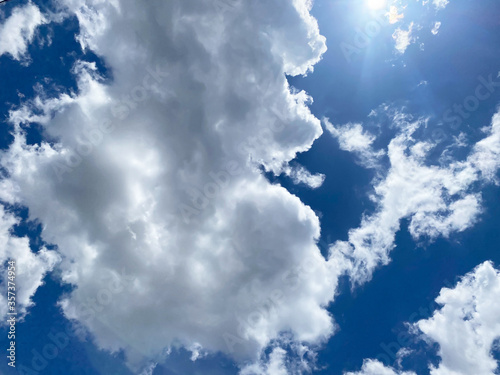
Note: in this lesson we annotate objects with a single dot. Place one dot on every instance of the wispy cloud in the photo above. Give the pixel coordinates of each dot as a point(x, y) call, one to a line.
point(437, 200)
point(19, 29)
point(403, 38)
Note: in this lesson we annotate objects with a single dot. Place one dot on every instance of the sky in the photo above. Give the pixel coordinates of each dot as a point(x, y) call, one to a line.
point(250, 187)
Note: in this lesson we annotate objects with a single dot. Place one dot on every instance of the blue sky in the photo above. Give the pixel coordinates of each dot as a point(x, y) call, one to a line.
point(319, 186)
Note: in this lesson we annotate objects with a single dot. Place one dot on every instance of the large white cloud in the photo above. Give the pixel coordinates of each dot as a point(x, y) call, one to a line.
point(150, 185)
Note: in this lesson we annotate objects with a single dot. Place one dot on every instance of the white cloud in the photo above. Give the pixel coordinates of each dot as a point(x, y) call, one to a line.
point(394, 15)
point(17, 31)
point(440, 4)
point(437, 200)
point(353, 138)
point(29, 269)
point(153, 181)
point(299, 359)
point(300, 175)
point(435, 29)
point(467, 324)
point(486, 154)
point(403, 38)
point(374, 367)
point(465, 328)
point(275, 366)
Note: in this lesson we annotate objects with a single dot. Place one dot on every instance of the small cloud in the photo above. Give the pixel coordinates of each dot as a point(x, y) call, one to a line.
point(436, 27)
point(301, 175)
point(403, 38)
point(353, 138)
point(440, 4)
point(394, 15)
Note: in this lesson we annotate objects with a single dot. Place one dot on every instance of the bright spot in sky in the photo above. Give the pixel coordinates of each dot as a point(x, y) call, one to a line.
point(376, 4)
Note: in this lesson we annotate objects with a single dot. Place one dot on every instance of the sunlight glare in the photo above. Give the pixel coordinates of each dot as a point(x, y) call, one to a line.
point(376, 4)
